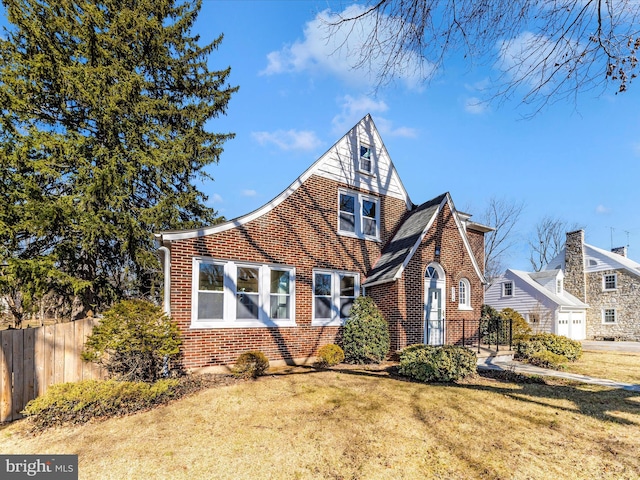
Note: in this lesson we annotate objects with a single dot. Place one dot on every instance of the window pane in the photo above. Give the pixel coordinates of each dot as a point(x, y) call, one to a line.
point(345, 307)
point(368, 209)
point(323, 307)
point(369, 226)
point(210, 305)
point(323, 284)
point(211, 277)
point(365, 152)
point(279, 306)
point(347, 286)
point(347, 203)
point(279, 281)
point(247, 280)
point(347, 222)
point(247, 306)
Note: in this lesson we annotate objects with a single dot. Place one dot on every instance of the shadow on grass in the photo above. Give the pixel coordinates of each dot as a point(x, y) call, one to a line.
point(523, 388)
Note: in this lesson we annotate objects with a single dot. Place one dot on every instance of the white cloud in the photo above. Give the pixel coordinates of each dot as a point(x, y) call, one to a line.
point(475, 106)
point(353, 109)
point(601, 209)
point(336, 52)
point(289, 139)
point(214, 199)
point(249, 193)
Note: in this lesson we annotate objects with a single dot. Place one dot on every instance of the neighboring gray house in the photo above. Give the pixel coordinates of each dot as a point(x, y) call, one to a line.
point(608, 281)
point(542, 300)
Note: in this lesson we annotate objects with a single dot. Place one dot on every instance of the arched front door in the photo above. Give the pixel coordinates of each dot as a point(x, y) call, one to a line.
point(434, 287)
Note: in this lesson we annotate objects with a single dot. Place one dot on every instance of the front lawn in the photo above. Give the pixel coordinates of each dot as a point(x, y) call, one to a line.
point(361, 424)
point(618, 366)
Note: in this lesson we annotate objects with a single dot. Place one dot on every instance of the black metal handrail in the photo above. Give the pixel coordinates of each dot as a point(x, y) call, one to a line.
point(487, 332)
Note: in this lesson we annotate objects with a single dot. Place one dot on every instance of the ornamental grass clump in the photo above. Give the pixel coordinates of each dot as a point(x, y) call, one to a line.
point(251, 364)
point(330, 355)
point(366, 334)
point(446, 363)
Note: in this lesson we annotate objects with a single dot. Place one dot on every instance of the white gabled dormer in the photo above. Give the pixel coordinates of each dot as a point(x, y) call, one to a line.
point(552, 280)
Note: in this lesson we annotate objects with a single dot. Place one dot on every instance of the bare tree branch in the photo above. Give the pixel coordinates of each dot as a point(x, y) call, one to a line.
point(548, 240)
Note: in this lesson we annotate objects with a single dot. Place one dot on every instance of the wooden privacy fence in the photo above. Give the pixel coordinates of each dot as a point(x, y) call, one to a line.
point(33, 359)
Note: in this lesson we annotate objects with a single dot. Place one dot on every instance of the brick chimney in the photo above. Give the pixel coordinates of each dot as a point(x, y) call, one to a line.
point(574, 275)
point(620, 251)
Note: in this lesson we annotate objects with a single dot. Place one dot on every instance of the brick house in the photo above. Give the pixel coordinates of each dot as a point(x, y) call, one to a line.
point(608, 281)
point(282, 278)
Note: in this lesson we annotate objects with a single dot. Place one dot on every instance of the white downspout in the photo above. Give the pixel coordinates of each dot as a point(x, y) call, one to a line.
point(166, 260)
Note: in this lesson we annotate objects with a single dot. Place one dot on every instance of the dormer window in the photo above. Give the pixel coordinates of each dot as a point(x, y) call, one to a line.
point(366, 159)
point(559, 286)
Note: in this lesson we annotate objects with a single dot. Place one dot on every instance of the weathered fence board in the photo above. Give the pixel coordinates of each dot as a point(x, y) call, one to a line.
point(33, 359)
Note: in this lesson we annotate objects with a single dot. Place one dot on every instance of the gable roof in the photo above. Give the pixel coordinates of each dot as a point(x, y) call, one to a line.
point(338, 163)
point(404, 244)
point(528, 278)
point(610, 260)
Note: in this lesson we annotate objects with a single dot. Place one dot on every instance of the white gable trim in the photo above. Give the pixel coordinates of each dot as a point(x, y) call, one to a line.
point(313, 169)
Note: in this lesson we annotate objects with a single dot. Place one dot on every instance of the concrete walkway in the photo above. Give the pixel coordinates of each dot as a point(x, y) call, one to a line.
point(527, 369)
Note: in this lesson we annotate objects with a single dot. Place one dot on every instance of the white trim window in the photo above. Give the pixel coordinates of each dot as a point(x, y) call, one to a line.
point(609, 281)
point(559, 286)
point(333, 295)
point(609, 315)
point(240, 294)
point(358, 215)
point(464, 294)
point(365, 160)
point(507, 289)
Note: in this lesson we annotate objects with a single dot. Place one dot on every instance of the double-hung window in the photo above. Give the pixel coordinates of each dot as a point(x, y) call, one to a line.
point(358, 215)
point(239, 294)
point(365, 161)
point(610, 281)
point(507, 289)
point(609, 315)
point(333, 295)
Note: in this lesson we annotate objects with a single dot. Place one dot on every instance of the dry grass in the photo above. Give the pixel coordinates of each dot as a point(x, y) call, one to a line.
point(618, 366)
point(360, 424)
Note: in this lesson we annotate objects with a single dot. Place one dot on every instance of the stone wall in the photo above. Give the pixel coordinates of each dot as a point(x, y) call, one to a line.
point(625, 299)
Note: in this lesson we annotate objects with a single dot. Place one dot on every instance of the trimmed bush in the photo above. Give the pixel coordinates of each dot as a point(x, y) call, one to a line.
point(366, 334)
point(134, 341)
point(547, 359)
point(520, 329)
point(558, 344)
point(446, 363)
point(251, 364)
point(82, 401)
point(330, 355)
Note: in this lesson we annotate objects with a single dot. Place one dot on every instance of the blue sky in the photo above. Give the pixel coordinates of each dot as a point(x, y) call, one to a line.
point(574, 161)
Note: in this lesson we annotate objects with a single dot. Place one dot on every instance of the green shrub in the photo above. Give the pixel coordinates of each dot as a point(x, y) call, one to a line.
point(547, 359)
point(446, 363)
point(558, 344)
point(520, 329)
point(134, 341)
point(366, 334)
point(330, 355)
point(251, 364)
point(82, 401)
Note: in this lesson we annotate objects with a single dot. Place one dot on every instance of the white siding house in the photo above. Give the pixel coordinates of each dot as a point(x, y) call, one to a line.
point(541, 299)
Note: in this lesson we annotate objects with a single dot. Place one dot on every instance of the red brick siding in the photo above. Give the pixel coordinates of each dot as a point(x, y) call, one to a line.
point(300, 232)
point(402, 302)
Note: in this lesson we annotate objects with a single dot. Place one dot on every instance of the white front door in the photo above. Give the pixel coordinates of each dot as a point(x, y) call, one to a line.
point(434, 323)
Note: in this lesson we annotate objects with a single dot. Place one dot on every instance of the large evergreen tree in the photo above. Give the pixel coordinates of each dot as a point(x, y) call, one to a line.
point(104, 111)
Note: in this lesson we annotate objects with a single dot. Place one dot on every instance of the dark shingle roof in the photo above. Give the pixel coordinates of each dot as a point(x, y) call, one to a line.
point(400, 247)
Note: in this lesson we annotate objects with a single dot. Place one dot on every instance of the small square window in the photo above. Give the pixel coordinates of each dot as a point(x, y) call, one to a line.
point(365, 159)
point(610, 281)
point(609, 315)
